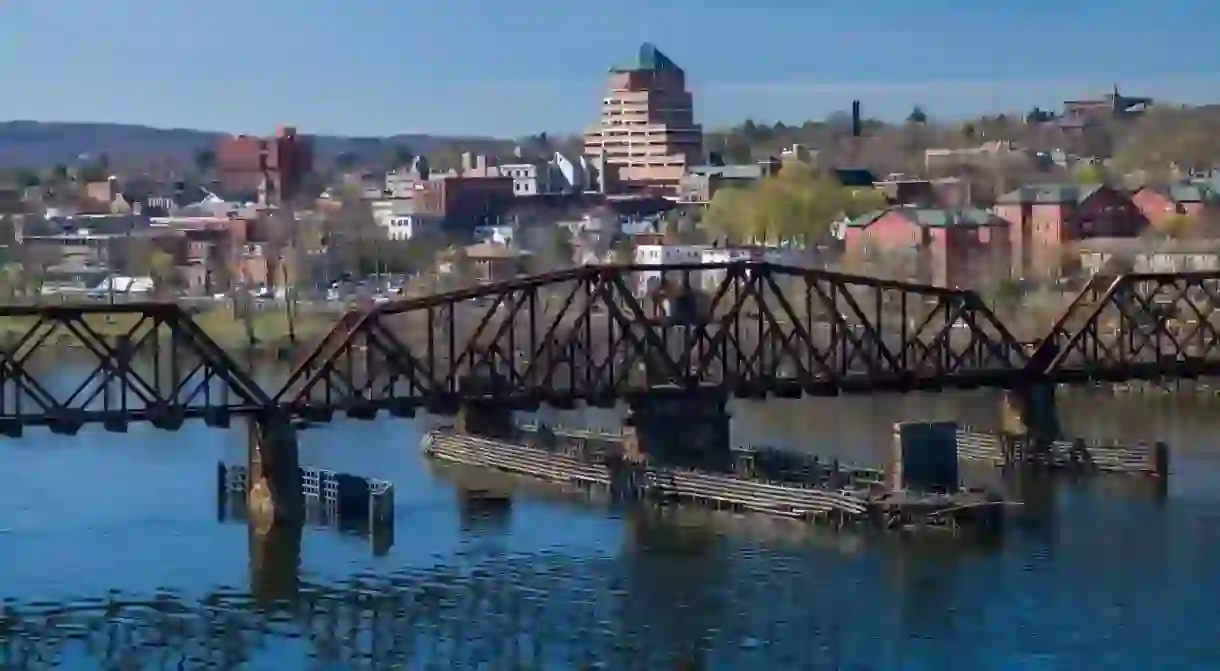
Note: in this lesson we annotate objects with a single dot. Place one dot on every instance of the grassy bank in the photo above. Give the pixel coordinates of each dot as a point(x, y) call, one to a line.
point(266, 331)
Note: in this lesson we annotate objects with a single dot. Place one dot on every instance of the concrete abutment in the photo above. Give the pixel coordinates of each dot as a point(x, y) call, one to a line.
point(486, 419)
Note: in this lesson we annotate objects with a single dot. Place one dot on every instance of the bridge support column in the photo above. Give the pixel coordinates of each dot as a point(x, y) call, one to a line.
point(275, 561)
point(274, 493)
point(1030, 412)
point(679, 428)
point(487, 419)
point(925, 457)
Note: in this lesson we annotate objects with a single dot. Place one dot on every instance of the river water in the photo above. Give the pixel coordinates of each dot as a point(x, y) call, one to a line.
point(1096, 574)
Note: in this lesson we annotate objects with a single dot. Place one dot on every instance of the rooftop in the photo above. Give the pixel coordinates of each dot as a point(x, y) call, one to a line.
point(964, 217)
point(1201, 191)
point(650, 58)
point(1049, 194)
point(489, 250)
point(745, 171)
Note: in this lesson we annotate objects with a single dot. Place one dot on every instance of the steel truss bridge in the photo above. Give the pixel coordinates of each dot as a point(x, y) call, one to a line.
point(593, 335)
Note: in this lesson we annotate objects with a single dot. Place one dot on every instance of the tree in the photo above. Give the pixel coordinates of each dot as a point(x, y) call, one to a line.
point(402, 156)
point(205, 160)
point(1088, 173)
point(1006, 296)
point(345, 161)
point(624, 250)
point(917, 116)
point(795, 206)
point(27, 179)
point(36, 260)
point(11, 280)
point(1037, 115)
point(1176, 226)
point(162, 269)
point(541, 142)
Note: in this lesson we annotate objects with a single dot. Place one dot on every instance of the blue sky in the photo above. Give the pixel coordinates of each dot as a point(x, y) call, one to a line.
point(373, 67)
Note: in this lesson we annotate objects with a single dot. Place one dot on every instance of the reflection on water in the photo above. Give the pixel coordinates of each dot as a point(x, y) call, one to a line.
point(114, 559)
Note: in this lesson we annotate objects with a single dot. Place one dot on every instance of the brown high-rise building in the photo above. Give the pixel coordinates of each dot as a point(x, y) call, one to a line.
point(274, 168)
point(647, 135)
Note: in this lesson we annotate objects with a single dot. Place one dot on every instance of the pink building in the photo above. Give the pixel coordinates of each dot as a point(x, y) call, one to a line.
point(1046, 219)
point(947, 247)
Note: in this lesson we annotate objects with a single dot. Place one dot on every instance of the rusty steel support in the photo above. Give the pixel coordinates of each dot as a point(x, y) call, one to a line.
point(599, 335)
point(149, 362)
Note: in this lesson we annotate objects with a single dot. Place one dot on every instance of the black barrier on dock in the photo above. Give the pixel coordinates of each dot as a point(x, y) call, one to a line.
point(333, 500)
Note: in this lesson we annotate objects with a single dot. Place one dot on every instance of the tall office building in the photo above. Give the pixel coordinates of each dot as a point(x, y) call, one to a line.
point(647, 136)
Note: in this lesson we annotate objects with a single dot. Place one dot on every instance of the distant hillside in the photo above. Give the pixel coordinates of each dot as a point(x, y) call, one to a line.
point(44, 144)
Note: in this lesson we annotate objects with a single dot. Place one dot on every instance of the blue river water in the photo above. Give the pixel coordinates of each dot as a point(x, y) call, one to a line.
point(1094, 574)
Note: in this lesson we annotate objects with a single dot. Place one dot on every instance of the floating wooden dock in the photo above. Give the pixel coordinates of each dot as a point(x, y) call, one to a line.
point(1078, 455)
point(860, 500)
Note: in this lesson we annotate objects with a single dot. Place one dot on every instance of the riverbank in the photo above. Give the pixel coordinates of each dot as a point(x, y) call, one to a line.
point(264, 331)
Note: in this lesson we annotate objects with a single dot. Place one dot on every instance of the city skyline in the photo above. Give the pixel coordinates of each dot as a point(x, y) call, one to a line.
point(360, 69)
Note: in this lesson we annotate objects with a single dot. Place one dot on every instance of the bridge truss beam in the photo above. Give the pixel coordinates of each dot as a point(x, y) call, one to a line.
point(597, 334)
point(1137, 327)
point(138, 362)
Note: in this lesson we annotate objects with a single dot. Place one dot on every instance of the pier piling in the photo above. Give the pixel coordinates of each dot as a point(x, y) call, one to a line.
point(1030, 412)
point(274, 493)
point(924, 458)
point(681, 429)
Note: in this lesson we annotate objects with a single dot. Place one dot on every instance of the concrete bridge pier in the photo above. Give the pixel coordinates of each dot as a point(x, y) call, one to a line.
point(1030, 412)
point(487, 419)
point(680, 428)
point(274, 495)
point(275, 561)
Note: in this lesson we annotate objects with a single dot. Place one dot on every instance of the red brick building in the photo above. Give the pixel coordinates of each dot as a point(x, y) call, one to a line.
point(947, 247)
point(247, 165)
point(1159, 204)
point(462, 203)
point(1047, 218)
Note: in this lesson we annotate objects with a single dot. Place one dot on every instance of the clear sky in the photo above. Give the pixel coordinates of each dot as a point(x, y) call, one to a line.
point(375, 67)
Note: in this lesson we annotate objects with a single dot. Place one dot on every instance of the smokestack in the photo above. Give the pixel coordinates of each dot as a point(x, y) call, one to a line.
point(857, 126)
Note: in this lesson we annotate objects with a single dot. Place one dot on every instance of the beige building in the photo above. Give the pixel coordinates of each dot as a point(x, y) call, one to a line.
point(647, 136)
